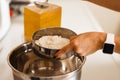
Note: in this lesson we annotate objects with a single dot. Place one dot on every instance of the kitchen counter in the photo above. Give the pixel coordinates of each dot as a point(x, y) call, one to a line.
point(77, 17)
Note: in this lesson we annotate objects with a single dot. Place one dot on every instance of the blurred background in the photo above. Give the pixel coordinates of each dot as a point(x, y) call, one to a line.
point(84, 17)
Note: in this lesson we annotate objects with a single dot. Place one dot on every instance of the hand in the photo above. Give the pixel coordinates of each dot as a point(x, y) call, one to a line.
point(84, 44)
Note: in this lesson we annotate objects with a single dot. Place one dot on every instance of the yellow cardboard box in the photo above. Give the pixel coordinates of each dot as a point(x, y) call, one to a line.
point(36, 18)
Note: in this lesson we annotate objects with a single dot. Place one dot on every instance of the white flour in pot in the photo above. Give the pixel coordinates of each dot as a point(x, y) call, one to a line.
point(52, 42)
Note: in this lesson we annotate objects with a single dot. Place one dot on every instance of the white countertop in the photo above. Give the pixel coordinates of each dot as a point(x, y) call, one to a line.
point(97, 66)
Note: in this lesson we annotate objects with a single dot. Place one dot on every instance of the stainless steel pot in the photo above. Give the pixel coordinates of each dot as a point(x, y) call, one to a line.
point(30, 61)
point(26, 65)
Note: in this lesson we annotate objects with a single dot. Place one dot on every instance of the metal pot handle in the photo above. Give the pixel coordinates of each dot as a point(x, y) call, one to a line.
point(80, 57)
point(41, 4)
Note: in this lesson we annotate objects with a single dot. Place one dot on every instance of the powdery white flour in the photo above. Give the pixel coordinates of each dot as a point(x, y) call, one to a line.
point(52, 42)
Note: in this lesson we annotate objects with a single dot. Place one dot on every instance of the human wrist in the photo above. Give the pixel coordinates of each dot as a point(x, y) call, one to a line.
point(117, 42)
point(103, 36)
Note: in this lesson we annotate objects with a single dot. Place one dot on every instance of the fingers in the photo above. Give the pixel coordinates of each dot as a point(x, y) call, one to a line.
point(64, 50)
